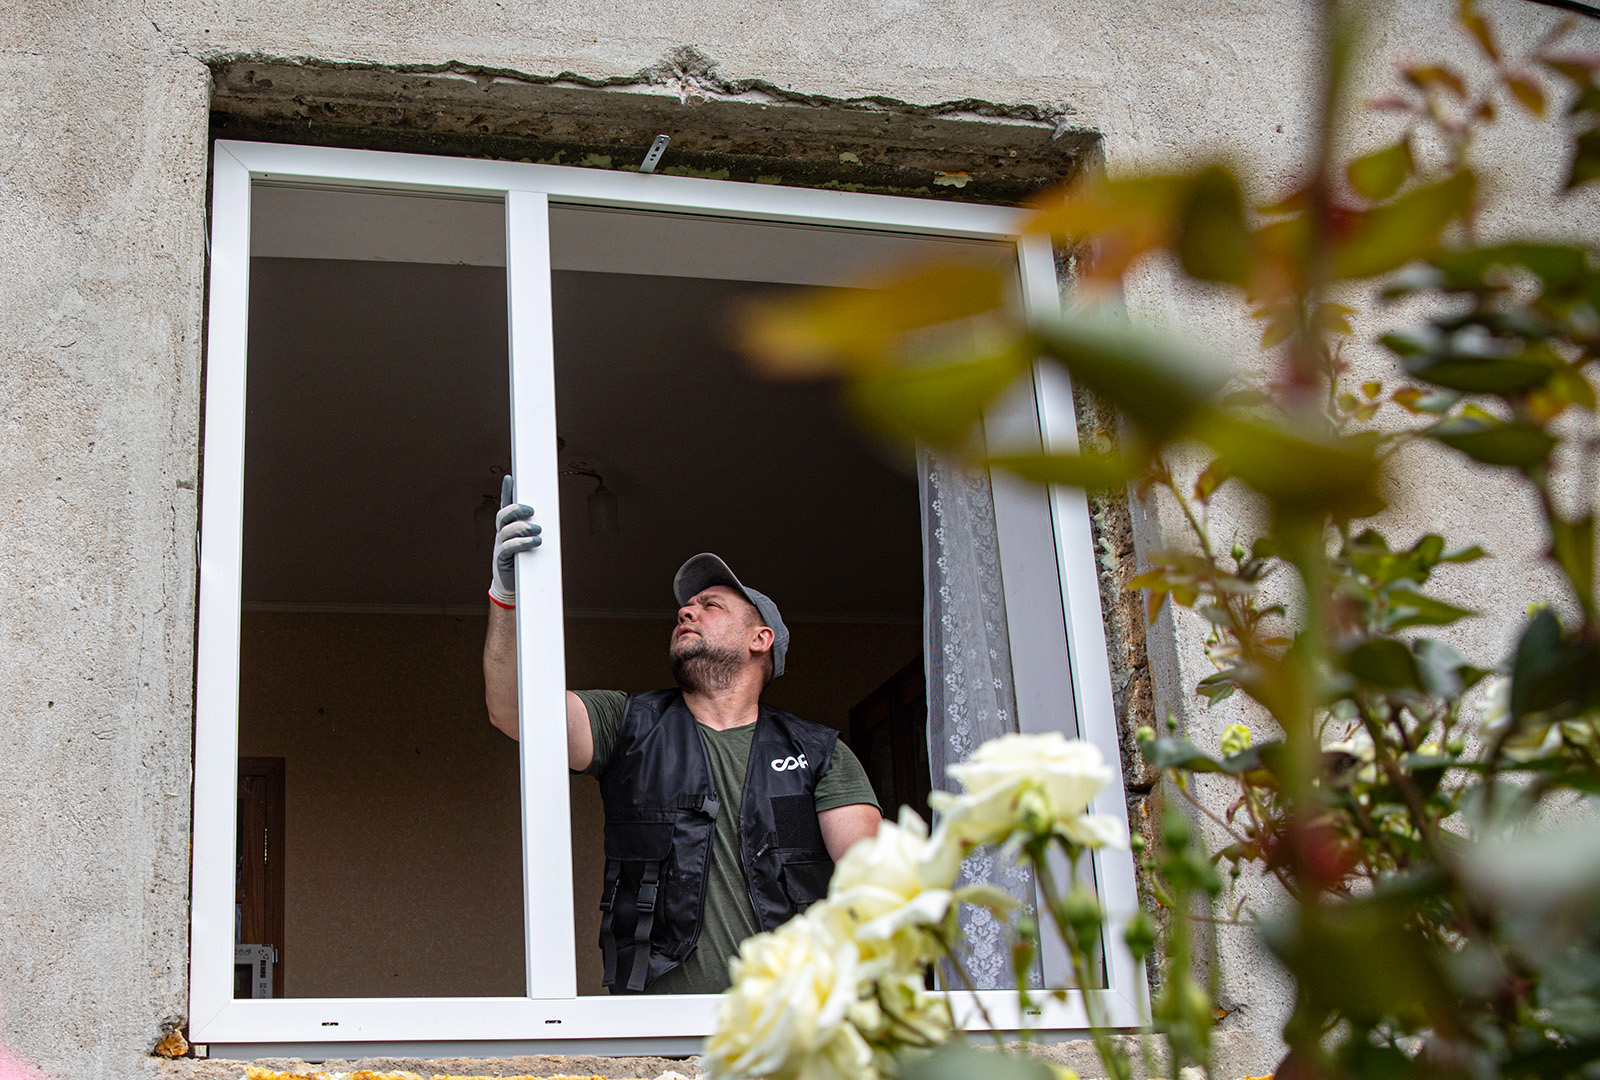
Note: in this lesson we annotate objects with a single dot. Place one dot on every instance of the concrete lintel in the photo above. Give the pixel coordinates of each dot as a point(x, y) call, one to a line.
point(967, 150)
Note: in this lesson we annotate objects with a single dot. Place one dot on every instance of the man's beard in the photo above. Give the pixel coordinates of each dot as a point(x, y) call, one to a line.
point(700, 667)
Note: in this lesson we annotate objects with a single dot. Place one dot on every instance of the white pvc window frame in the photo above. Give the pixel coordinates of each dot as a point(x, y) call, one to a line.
point(551, 1017)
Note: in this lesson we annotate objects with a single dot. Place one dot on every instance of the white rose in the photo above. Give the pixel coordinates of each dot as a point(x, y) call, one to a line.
point(785, 1016)
point(1035, 784)
point(893, 886)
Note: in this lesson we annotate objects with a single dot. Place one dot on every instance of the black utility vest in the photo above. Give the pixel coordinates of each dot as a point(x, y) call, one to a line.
point(661, 806)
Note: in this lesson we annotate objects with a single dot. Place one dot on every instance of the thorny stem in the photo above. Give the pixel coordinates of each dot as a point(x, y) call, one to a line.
point(1216, 920)
point(1202, 535)
point(923, 1038)
point(1427, 828)
point(966, 980)
point(1028, 930)
point(1212, 815)
point(1116, 1064)
point(1237, 608)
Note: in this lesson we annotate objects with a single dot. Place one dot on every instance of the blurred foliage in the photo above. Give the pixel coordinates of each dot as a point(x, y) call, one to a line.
point(1395, 813)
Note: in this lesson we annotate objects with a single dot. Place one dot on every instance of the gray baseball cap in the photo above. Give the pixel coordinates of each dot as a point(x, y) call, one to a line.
point(706, 570)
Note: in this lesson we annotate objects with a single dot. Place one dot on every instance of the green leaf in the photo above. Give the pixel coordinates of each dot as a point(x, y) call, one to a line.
point(1464, 555)
point(1094, 472)
point(1585, 159)
point(856, 330)
point(1362, 958)
point(1588, 99)
point(1550, 671)
point(1478, 374)
point(1410, 608)
point(1578, 70)
point(1572, 543)
point(1382, 662)
point(1340, 478)
point(1426, 76)
point(1247, 398)
point(1358, 1057)
point(1369, 554)
point(1556, 265)
point(1213, 476)
point(1467, 12)
point(1441, 670)
point(1217, 687)
point(1495, 442)
point(1213, 241)
point(1279, 328)
point(1527, 92)
point(1378, 175)
point(1173, 753)
point(1417, 401)
point(937, 404)
point(1133, 204)
point(1566, 386)
point(1404, 343)
point(1538, 652)
point(1156, 381)
point(1387, 237)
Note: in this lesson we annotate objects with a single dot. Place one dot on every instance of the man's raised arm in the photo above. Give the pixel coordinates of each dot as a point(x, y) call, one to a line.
point(514, 533)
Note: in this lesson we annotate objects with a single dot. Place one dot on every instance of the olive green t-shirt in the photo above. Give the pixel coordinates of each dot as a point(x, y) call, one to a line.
point(729, 915)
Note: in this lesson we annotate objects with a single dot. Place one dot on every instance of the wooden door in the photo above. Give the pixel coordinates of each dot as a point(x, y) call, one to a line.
point(889, 733)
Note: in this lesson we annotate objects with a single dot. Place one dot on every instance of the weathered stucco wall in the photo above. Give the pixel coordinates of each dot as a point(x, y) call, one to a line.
point(103, 150)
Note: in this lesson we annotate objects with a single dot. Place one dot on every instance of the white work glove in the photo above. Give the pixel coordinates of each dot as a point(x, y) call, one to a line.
point(513, 533)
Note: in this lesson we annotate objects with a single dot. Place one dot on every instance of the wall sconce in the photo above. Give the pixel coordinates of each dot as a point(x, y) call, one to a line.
point(604, 518)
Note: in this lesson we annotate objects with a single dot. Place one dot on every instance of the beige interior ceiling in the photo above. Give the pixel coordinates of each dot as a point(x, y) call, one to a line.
point(303, 222)
point(379, 423)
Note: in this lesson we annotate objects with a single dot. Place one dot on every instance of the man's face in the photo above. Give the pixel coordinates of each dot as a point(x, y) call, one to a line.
point(717, 634)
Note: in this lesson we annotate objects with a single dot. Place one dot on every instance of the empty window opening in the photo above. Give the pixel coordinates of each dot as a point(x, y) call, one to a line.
point(377, 390)
point(377, 428)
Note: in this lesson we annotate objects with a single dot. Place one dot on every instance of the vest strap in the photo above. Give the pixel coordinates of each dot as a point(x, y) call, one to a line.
point(706, 804)
point(645, 922)
point(608, 940)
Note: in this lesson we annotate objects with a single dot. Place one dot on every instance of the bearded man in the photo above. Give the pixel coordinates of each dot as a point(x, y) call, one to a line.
point(724, 816)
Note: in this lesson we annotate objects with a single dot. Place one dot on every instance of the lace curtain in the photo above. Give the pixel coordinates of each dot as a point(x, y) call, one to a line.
point(967, 654)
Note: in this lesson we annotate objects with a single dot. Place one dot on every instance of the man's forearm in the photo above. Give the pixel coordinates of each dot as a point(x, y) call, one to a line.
point(500, 669)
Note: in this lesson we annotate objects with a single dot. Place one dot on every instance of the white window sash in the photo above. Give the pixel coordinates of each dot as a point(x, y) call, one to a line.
point(552, 1018)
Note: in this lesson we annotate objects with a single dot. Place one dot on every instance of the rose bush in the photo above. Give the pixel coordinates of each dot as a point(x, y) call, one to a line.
point(840, 991)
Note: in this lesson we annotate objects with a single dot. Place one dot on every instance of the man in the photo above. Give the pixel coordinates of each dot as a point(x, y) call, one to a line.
point(723, 816)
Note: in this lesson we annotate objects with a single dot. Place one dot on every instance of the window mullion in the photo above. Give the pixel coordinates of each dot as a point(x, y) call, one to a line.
point(541, 666)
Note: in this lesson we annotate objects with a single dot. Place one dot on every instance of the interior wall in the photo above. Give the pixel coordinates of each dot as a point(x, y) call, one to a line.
point(402, 848)
point(402, 853)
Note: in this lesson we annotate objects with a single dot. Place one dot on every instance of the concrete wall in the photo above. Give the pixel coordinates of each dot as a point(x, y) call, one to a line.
point(103, 149)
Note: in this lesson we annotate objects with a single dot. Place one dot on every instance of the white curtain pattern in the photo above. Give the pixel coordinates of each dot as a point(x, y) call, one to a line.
point(967, 655)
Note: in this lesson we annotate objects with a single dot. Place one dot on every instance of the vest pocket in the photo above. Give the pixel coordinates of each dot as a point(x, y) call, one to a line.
point(638, 861)
point(805, 880)
point(638, 841)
